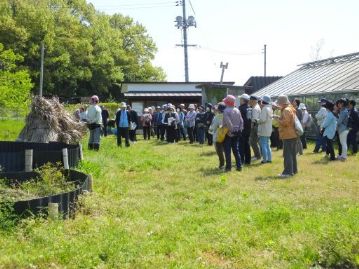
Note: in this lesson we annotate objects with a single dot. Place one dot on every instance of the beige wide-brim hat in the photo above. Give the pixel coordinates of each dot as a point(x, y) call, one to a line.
point(283, 100)
point(123, 105)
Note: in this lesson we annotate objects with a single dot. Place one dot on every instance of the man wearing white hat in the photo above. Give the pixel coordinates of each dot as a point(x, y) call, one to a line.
point(123, 125)
point(244, 147)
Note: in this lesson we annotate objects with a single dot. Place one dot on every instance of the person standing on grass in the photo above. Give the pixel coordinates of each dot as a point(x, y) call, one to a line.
point(342, 127)
point(134, 124)
point(170, 123)
point(209, 117)
point(146, 124)
point(275, 140)
point(306, 122)
point(232, 120)
point(253, 139)
point(328, 129)
point(296, 104)
point(123, 122)
point(217, 123)
point(94, 122)
point(190, 120)
point(105, 116)
point(320, 117)
point(288, 134)
point(265, 129)
point(201, 125)
point(181, 118)
point(353, 126)
point(157, 121)
point(244, 147)
point(163, 125)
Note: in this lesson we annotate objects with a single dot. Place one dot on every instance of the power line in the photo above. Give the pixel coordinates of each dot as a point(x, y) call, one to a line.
point(229, 52)
point(194, 12)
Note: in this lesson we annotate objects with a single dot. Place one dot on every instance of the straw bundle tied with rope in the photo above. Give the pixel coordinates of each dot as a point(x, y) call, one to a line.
point(48, 121)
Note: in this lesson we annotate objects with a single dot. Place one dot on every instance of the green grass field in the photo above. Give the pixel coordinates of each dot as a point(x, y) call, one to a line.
point(167, 206)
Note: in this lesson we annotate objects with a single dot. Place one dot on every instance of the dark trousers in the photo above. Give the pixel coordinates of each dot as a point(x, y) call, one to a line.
point(352, 140)
point(163, 132)
point(190, 131)
point(330, 148)
point(303, 139)
point(105, 129)
point(180, 133)
point(220, 153)
point(209, 137)
point(146, 133)
point(158, 132)
point(320, 143)
point(276, 142)
point(123, 133)
point(133, 135)
point(245, 149)
point(290, 156)
point(171, 134)
point(231, 144)
point(201, 135)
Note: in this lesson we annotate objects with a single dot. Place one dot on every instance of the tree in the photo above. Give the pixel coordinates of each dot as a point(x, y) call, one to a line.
point(86, 51)
point(15, 83)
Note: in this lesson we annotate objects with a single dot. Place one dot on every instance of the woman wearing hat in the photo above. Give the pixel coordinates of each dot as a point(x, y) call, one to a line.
point(265, 129)
point(244, 146)
point(94, 122)
point(146, 124)
point(217, 123)
point(232, 120)
point(288, 134)
point(190, 121)
point(306, 122)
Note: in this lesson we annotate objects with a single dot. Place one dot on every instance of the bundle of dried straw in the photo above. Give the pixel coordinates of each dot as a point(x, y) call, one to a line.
point(48, 121)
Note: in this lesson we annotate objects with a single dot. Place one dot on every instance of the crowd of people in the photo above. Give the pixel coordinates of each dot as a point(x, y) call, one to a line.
point(257, 125)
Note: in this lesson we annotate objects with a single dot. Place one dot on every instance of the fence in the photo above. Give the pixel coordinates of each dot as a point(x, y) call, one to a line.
point(25, 156)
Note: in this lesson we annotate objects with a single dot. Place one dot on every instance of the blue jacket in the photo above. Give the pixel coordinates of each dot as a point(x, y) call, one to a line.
point(343, 120)
point(330, 125)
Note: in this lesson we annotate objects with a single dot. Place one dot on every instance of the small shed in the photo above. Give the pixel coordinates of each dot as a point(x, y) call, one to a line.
point(215, 92)
point(255, 83)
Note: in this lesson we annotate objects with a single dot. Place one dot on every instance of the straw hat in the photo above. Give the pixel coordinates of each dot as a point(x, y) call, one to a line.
point(283, 100)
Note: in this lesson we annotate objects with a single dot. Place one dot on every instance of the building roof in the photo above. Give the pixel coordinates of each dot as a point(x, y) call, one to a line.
point(332, 75)
point(211, 85)
point(255, 83)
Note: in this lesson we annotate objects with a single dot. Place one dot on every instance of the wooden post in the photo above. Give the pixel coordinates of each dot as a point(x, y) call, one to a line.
point(81, 152)
point(90, 183)
point(28, 160)
point(53, 211)
point(65, 158)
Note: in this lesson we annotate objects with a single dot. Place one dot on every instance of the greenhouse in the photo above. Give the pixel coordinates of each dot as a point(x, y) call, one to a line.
point(331, 78)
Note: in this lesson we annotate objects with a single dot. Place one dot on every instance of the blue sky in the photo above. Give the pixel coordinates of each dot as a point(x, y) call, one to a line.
point(235, 31)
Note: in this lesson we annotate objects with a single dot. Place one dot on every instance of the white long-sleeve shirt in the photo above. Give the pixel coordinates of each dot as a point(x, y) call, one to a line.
point(256, 112)
point(320, 116)
point(94, 114)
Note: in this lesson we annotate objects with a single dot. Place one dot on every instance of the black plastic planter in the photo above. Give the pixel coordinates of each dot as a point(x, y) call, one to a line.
point(12, 154)
point(66, 201)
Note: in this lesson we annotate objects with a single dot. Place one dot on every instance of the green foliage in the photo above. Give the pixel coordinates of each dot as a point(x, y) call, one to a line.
point(51, 181)
point(10, 129)
point(15, 84)
point(86, 51)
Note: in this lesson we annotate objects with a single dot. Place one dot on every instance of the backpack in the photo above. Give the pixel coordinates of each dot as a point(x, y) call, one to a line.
point(221, 134)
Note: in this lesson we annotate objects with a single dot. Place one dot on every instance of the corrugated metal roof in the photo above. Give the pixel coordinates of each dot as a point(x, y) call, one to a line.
point(337, 74)
point(164, 94)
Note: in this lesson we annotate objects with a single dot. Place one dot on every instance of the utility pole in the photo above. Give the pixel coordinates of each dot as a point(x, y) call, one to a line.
point(185, 41)
point(265, 60)
point(184, 23)
point(42, 68)
point(223, 67)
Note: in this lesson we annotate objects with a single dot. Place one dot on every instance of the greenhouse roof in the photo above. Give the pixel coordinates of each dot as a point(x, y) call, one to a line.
point(332, 75)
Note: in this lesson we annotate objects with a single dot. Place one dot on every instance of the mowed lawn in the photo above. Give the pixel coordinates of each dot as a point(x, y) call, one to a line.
point(167, 206)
